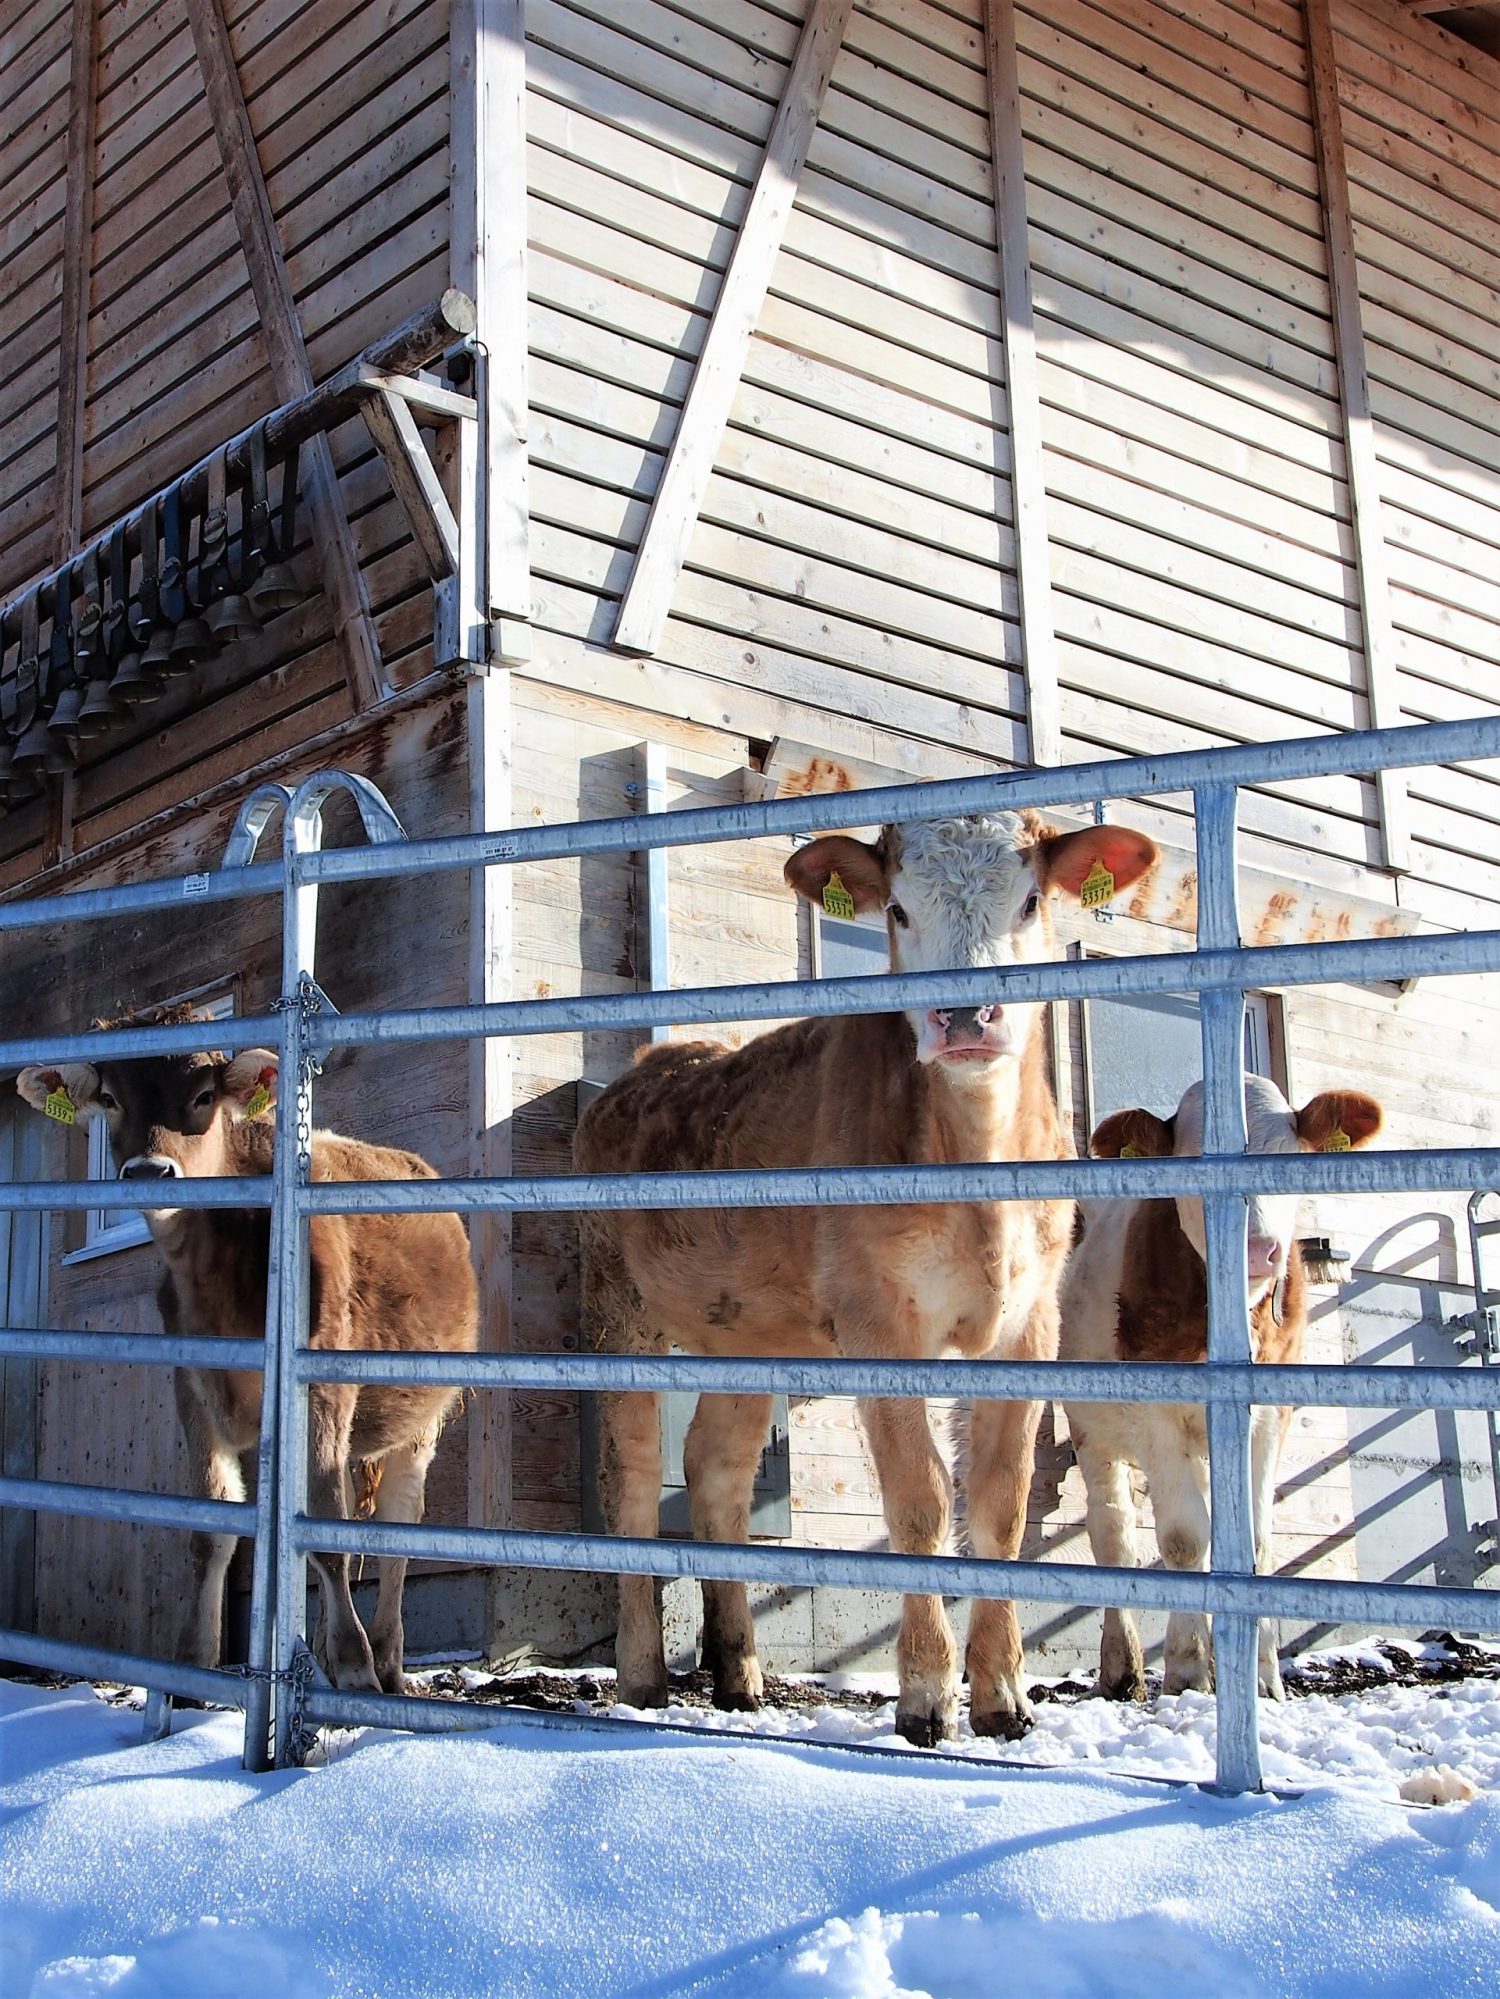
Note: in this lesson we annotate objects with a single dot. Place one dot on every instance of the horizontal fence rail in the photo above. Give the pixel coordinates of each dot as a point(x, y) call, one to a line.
point(305, 1026)
point(935, 1575)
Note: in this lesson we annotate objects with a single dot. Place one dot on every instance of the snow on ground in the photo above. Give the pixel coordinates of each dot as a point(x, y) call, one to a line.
point(586, 1862)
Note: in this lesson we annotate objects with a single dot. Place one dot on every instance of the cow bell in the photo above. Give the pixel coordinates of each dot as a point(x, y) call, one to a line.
point(275, 589)
point(230, 618)
point(192, 642)
point(136, 680)
point(100, 708)
point(40, 751)
point(63, 721)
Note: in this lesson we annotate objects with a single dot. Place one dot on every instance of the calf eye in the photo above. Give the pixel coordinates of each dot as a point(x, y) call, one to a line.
point(107, 1102)
point(899, 916)
point(203, 1099)
point(1033, 904)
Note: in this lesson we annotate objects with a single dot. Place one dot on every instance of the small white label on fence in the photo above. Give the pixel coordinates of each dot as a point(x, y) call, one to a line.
point(501, 850)
point(195, 885)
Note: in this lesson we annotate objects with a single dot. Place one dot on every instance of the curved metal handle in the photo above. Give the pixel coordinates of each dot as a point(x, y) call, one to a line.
point(304, 819)
point(251, 821)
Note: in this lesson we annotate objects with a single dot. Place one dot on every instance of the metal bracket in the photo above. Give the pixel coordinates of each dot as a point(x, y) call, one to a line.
point(1478, 1332)
point(251, 821)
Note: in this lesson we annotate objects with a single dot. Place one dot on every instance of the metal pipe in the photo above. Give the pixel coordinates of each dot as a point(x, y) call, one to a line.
point(143, 1509)
point(1441, 1170)
point(135, 1044)
point(63, 1197)
point(1221, 1023)
point(129, 1349)
point(130, 1669)
point(1449, 954)
point(1303, 1386)
point(1470, 741)
point(1411, 1605)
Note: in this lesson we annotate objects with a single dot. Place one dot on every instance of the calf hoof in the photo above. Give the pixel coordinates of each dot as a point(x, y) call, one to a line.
point(355, 1676)
point(923, 1731)
point(1195, 1678)
point(1126, 1686)
point(1009, 1723)
point(641, 1693)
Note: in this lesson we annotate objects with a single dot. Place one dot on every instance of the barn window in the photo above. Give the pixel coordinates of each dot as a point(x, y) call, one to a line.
point(1146, 1050)
point(109, 1229)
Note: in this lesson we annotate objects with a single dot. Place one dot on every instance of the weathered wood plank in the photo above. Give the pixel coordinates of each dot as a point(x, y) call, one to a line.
point(77, 261)
point(1028, 477)
point(284, 342)
point(647, 597)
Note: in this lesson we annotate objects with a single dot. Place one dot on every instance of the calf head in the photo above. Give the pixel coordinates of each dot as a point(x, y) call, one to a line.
point(169, 1115)
point(1334, 1121)
point(970, 895)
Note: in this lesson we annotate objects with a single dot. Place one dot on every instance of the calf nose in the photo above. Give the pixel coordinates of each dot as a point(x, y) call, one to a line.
point(150, 1166)
point(961, 1024)
point(1264, 1255)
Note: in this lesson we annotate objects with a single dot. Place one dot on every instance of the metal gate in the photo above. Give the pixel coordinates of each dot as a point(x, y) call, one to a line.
point(275, 1689)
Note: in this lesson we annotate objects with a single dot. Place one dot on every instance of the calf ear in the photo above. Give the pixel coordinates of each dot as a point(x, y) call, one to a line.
point(1338, 1120)
point(77, 1081)
point(1094, 863)
point(860, 871)
point(250, 1082)
point(1132, 1135)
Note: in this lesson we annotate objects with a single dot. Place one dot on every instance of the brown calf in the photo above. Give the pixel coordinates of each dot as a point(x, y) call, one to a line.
point(904, 1283)
point(390, 1282)
point(1137, 1290)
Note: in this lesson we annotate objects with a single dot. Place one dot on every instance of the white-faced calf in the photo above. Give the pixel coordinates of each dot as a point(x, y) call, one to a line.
point(1137, 1290)
point(402, 1282)
point(910, 1283)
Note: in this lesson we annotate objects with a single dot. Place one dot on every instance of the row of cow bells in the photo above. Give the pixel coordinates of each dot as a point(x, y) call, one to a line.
point(162, 593)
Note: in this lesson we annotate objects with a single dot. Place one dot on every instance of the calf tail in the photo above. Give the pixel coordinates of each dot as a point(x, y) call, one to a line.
point(959, 1421)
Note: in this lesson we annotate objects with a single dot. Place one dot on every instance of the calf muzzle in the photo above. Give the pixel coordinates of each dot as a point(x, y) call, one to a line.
point(150, 1166)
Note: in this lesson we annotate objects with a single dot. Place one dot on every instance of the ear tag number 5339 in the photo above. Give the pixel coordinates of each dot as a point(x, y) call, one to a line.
point(59, 1105)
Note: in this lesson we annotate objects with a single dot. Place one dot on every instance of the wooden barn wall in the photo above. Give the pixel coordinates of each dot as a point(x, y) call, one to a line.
point(35, 64)
point(854, 554)
point(379, 945)
point(348, 103)
point(1421, 115)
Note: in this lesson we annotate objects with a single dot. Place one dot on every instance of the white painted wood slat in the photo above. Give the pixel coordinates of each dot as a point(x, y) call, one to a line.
point(647, 601)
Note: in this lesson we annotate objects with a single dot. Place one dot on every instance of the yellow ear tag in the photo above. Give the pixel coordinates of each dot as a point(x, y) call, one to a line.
point(1131, 1152)
point(1338, 1140)
point(836, 898)
point(257, 1100)
point(59, 1105)
point(1098, 887)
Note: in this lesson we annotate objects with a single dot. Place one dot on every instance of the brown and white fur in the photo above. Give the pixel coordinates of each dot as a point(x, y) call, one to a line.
point(911, 1283)
point(1137, 1290)
point(389, 1282)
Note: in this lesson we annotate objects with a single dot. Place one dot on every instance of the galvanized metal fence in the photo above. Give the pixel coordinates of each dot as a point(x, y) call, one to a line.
point(275, 1688)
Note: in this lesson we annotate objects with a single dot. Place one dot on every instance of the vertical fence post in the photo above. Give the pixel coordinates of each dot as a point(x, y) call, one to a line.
point(1223, 1030)
point(284, 1416)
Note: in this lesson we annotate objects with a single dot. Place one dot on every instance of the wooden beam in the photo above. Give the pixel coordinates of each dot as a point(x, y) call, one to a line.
point(1027, 467)
point(77, 268)
point(487, 255)
point(679, 494)
point(1381, 674)
point(281, 328)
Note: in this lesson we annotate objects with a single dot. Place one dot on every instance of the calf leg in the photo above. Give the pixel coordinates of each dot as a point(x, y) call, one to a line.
point(630, 1484)
point(1111, 1525)
point(1002, 1452)
point(215, 1473)
point(402, 1496)
point(1179, 1501)
point(916, 1494)
point(724, 1443)
point(330, 1419)
point(1268, 1428)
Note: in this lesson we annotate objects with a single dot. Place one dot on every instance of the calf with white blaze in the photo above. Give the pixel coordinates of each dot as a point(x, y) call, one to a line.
point(394, 1282)
point(1137, 1290)
point(907, 1283)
